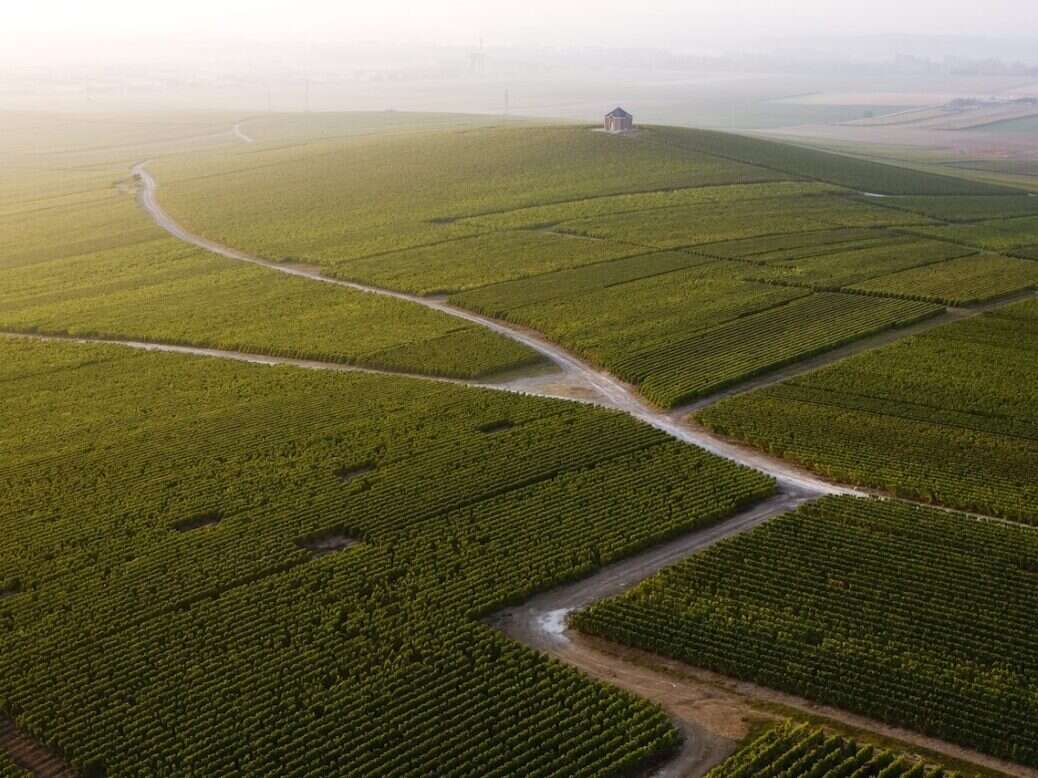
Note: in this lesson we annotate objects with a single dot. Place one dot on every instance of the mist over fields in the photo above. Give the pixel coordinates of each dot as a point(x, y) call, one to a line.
point(748, 66)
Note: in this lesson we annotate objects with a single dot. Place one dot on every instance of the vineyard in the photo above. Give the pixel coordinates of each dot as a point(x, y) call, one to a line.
point(968, 209)
point(880, 608)
point(963, 281)
point(660, 258)
point(165, 614)
point(682, 370)
point(1001, 235)
point(712, 223)
point(856, 174)
point(413, 190)
point(109, 272)
point(210, 568)
point(801, 751)
point(836, 269)
point(947, 417)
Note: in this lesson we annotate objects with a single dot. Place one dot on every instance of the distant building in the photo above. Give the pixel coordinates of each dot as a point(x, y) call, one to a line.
point(618, 120)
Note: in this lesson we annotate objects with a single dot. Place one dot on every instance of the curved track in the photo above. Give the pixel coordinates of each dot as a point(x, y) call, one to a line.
point(541, 622)
point(601, 388)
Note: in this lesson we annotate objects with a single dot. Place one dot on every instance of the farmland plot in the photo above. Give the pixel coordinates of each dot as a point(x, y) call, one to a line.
point(961, 281)
point(947, 417)
point(712, 223)
point(998, 235)
point(101, 268)
point(875, 607)
point(175, 616)
point(846, 268)
point(795, 750)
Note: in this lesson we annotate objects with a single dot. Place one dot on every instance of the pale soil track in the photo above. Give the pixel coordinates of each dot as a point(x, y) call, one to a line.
point(710, 710)
point(241, 135)
point(587, 382)
point(30, 755)
point(712, 727)
point(251, 358)
point(849, 350)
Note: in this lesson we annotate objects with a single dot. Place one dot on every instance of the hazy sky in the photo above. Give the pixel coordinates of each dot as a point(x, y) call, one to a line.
point(59, 28)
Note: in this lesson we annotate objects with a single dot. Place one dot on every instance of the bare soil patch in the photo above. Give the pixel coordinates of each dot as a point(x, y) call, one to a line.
point(496, 426)
point(720, 709)
point(201, 521)
point(348, 474)
point(30, 755)
point(323, 545)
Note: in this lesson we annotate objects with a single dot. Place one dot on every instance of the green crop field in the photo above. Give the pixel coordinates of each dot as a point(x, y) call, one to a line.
point(965, 209)
point(857, 174)
point(913, 616)
point(86, 260)
point(164, 614)
point(838, 268)
point(477, 261)
point(800, 751)
point(401, 192)
point(794, 245)
point(725, 221)
point(602, 243)
point(950, 416)
point(962, 281)
point(685, 369)
point(165, 292)
point(997, 235)
point(603, 311)
point(214, 568)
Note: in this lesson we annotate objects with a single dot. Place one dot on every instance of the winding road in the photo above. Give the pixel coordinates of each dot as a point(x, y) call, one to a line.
point(541, 622)
point(601, 387)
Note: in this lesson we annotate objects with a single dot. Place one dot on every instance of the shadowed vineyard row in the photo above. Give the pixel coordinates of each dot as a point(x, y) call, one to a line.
point(164, 614)
point(799, 751)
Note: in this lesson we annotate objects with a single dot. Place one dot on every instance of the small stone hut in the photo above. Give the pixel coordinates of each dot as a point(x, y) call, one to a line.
point(618, 120)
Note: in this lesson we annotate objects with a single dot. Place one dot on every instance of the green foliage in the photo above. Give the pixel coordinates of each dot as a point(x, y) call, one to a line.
point(1000, 235)
point(683, 369)
point(9, 769)
point(967, 209)
point(799, 244)
point(858, 174)
point(948, 416)
point(843, 268)
point(608, 205)
point(228, 649)
point(797, 750)
point(501, 300)
point(110, 272)
point(880, 608)
point(359, 196)
point(609, 312)
point(467, 263)
point(714, 222)
point(962, 281)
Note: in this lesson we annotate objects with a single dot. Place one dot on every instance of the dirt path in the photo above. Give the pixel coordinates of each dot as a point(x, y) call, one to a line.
point(578, 377)
point(241, 135)
point(30, 755)
point(717, 710)
point(710, 732)
point(711, 710)
point(505, 384)
point(712, 716)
